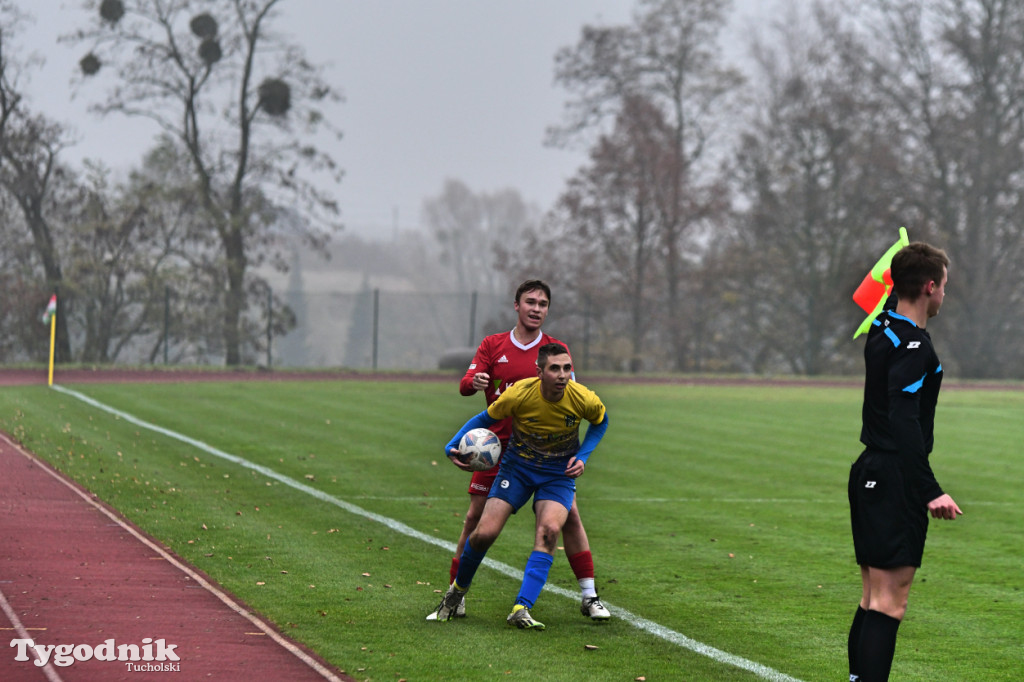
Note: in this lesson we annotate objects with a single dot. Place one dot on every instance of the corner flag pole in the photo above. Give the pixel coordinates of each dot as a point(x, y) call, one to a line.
point(53, 336)
point(50, 315)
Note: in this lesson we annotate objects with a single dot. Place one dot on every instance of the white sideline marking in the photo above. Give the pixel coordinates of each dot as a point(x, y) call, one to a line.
point(669, 500)
point(634, 500)
point(636, 621)
point(12, 616)
point(198, 579)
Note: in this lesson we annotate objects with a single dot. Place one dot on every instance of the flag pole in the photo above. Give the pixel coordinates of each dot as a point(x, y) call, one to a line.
point(53, 336)
point(50, 315)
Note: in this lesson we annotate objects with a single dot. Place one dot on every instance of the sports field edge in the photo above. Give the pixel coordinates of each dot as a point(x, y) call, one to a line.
point(26, 376)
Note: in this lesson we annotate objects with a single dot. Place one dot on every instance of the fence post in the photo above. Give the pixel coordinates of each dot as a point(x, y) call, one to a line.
point(586, 331)
point(270, 322)
point(472, 320)
point(376, 321)
point(167, 320)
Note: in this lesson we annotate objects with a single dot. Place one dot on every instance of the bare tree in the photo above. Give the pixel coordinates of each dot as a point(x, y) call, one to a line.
point(241, 100)
point(455, 217)
point(129, 246)
point(473, 230)
point(21, 335)
point(104, 244)
point(818, 169)
point(612, 205)
point(29, 147)
point(954, 69)
point(668, 57)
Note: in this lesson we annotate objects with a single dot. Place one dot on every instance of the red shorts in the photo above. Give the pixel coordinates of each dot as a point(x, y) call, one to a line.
point(482, 481)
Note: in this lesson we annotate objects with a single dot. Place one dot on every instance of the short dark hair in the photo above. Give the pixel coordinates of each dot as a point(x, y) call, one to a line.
point(549, 349)
point(531, 285)
point(915, 265)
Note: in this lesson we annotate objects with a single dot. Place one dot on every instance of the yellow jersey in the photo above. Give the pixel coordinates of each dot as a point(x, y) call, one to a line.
point(544, 432)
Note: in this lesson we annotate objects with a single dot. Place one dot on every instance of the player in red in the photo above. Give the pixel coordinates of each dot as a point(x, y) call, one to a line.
point(500, 361)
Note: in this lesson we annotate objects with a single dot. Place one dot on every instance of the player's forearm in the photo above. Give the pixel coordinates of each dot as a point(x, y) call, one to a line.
point(595, 432)
point(466, 384)
point(480, 420)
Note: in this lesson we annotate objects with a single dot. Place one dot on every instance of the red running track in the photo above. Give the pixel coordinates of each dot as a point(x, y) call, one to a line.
point(74, 572)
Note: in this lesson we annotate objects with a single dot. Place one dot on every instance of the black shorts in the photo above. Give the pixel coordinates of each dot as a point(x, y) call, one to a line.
point(889, 521)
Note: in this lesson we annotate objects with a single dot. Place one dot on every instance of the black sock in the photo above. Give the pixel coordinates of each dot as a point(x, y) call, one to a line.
point(877, 646)
point(853, 641)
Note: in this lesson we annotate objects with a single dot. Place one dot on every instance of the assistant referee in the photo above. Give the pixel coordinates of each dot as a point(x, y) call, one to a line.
point(892, 488)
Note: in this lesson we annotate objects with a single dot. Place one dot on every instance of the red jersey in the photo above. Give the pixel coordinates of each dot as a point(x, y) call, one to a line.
point(506, 361)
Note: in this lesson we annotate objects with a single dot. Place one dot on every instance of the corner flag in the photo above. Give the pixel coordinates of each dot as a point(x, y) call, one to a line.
point(51, 309)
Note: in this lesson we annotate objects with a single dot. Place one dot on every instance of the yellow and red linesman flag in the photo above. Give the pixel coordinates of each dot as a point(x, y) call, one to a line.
point(51, 309)
point(877, 284)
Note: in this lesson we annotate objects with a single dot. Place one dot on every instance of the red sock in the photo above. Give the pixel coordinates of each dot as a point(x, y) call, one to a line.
point(454, 570)
point(582, 565)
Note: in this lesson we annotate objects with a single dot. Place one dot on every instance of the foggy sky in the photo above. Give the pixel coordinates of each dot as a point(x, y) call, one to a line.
point(433, 90)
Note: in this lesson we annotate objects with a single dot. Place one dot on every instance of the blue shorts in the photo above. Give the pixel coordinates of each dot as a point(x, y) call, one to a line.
point(518, 480)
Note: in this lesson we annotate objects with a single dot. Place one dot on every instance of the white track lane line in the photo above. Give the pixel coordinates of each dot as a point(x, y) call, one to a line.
point(47, 669)
point(636, 621)
point(187, 570)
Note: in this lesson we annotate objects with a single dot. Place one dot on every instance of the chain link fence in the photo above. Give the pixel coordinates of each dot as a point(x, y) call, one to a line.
point(371, 328)
point(374, 329)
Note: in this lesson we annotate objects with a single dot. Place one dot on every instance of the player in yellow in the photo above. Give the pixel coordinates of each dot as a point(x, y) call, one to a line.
point(543, 460)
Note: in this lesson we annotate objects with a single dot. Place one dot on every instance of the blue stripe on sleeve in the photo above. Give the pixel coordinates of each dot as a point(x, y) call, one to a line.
point(893, 313)
point(916, 386)
point(892, 337)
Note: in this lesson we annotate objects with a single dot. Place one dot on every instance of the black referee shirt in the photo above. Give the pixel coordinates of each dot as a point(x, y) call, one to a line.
point(901, 388)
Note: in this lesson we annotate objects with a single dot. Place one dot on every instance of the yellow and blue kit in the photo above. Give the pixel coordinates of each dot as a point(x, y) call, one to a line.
point(545, 436)
point(545, 433)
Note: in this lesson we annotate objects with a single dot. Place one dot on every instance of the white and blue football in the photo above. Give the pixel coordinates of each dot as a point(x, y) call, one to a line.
point(480, 449)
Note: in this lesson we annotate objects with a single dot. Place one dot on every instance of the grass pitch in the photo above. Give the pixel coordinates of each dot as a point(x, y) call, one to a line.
point(717, 514)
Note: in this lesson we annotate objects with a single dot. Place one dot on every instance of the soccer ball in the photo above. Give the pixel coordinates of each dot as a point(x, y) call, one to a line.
point(480, 449)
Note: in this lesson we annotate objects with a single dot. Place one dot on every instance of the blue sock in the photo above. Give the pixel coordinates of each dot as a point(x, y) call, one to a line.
point(468, 563)
point(534, 577)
